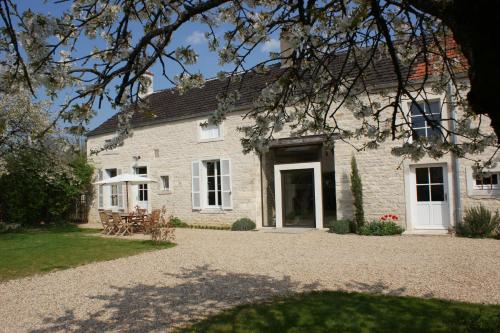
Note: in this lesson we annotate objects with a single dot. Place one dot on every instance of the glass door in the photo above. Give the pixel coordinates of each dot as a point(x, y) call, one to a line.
point(298, 198)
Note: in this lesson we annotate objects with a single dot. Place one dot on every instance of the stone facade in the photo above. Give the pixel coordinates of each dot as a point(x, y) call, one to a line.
point(385, 177)
point(178, 144)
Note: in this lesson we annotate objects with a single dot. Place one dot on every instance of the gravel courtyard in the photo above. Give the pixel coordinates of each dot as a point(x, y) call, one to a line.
point(210, 270)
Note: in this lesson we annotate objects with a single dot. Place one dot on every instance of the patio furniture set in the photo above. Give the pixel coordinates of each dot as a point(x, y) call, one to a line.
point(122, 224)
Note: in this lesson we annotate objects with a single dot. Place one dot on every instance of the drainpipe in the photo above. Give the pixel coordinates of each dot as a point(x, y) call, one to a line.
point(455, 159)
point(261, 191)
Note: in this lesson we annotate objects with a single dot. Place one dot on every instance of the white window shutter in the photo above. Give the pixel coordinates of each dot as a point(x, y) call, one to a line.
point(101, 196)
point(119, 190)
point(101, 190)
point(225, 171)
point(196, 184)
point(120, 195)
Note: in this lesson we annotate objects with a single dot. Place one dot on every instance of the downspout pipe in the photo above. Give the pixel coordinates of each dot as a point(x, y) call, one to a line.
point(455, 159)
point(261, 190)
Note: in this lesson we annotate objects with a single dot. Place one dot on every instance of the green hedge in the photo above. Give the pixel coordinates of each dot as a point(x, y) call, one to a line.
point(177, 222)
point(379, 228)
point(37, 188)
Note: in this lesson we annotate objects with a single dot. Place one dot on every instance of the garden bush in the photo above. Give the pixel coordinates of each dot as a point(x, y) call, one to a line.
point(177, 222)
point(243, 224)
point(340, 226)
point(381, 228)
point(42, 189)
point(479, 222)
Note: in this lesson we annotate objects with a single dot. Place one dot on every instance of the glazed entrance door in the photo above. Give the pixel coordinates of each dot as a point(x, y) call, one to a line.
point(298, 198)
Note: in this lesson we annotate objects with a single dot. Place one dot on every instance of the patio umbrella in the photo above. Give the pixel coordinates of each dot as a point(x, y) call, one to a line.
point(126, 178)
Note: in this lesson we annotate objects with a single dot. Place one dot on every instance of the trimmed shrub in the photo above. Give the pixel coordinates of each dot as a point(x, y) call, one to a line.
point(381, 228)
point(479, 221)
point(357, 194)
point(340, 226)
point(177, 222)
point(243, 224)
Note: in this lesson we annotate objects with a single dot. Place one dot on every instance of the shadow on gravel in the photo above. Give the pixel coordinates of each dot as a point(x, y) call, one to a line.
point(200, 292)
point(380, 287)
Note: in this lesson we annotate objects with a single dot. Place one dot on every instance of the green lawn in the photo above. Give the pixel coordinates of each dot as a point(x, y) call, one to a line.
point(353, 312)
point(37, 251)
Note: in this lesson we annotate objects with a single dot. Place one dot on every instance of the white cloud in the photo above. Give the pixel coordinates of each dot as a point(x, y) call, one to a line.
point(196, 38)
point(272, 45)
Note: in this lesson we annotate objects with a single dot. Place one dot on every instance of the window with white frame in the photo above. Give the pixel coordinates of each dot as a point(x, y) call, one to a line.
point(426, 119)
point(165, 183)
point(142, 189)
point(213, 184)
point(143, 192)
point(211, 181)
point(487, 181)
point(210, 131)
point(141, 171)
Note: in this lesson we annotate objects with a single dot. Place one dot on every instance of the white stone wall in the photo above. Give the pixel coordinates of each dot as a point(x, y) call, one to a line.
point(384, 176)
point(179, 145)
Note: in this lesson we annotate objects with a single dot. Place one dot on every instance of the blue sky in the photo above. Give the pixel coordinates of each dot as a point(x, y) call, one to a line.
point(190, 34)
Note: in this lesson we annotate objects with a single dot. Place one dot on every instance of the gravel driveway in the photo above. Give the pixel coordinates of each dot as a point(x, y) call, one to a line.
point(211, 270)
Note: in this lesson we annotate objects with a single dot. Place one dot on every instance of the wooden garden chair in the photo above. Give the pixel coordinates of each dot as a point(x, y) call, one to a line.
point(128, 224)
point(107, 227)
point(139, 218)
point(117, 222)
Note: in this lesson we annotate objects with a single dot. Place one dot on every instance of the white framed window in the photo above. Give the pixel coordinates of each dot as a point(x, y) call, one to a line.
point(114, 191)
point(210, 132)
point(426, 124)
point(142, 189)
point(141, 171)
point(487, 181)
point(211, 187)
point(165, 183)
point(213, 184)
point(143, 192)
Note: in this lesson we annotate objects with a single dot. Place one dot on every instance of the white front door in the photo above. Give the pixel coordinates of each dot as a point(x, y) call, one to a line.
point(298, 199)
point(430, 207)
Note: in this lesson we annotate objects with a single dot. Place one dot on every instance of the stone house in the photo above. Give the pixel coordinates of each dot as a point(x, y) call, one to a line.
point(203, 177)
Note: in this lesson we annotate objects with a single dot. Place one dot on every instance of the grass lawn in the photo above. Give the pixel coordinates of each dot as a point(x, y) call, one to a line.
point(37, 251)
point(353, 312)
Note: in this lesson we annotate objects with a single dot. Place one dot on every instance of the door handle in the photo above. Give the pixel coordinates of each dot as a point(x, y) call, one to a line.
point(446, 197)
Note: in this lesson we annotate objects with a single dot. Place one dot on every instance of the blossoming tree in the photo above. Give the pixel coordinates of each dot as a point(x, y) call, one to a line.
point(432, 46)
